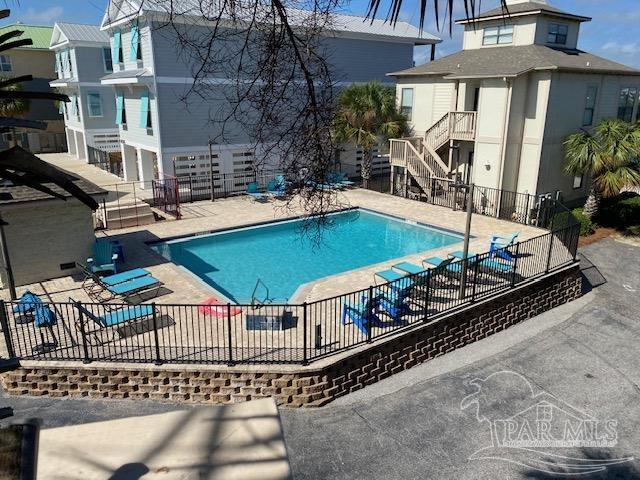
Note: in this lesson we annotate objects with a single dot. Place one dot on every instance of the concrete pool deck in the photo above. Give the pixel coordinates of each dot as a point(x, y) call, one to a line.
point(185, 288)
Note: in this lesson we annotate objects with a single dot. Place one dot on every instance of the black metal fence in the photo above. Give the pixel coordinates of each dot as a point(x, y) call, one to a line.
point(102, 160)
point(279, 333)
point(517, 207)
point(193, 188)
point(130, 204)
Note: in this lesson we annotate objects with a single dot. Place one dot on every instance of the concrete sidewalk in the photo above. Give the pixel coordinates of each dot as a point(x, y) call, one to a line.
point(243, 442)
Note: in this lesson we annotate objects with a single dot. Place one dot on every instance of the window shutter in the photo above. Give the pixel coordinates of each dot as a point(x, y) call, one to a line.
point(57, 69)
point(144, 109)
point(74, 105)
point(116, 41)
point(119, 107)
point(135, 41)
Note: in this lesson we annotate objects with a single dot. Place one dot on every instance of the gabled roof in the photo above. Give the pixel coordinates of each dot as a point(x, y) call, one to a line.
point(513, 61)
point(521, 9)
point(28, 178)
point(125, 10)
point(40, 35)
point(70, 33)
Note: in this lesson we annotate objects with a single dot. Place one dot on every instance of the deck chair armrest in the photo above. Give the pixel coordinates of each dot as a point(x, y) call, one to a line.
point(114, 257)
point(89, 260)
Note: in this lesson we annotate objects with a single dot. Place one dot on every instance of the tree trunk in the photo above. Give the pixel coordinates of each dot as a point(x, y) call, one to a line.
point(592, 204)
point(365, 169)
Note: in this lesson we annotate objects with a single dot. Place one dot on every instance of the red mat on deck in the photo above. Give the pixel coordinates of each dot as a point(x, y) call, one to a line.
point(216, 308)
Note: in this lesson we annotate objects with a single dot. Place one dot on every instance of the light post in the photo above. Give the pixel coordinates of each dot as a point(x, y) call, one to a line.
point(465, 247)
point(7, 263)
point(211, 168)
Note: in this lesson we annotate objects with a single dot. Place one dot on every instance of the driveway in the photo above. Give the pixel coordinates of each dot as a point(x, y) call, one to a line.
point(582, 359)
point(585, 354)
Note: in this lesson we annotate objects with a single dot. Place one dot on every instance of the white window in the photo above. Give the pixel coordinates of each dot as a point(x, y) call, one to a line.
point(5, 63)
point(577, 181)
point(500, 35)
point(94, 104)
point(557, 34)
point(406, 102)
point(589, 106)
point(106, 59)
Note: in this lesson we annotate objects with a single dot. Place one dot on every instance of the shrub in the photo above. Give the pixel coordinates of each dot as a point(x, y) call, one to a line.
point(633, 231)
point(587, 227)
point(621, 211)
point(629, 211)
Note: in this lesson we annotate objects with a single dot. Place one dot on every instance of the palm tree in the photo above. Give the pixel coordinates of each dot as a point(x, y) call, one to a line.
point(13, 107)
point(609, 155)
point(367, 115)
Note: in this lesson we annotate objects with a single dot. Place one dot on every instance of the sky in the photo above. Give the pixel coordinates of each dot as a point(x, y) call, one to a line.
point(613, 32)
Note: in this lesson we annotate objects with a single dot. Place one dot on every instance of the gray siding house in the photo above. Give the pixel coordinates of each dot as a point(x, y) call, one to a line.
point(160, 134)
point(497, 112)
point(82, 57)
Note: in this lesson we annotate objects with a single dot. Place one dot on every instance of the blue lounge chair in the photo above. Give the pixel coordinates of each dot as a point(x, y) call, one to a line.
point(361, 314)
point(398, 281)
point(445, 265)
point(104, 257)
point(281, 181)
point(459, 255)
point(393, 302)
point(127, 276)
point(113, 318)
point(500, 246)
point(497, 266)
point(253, 191)
point(408, 268)
point(275, 190)
point(343, 178)
point(132, 287)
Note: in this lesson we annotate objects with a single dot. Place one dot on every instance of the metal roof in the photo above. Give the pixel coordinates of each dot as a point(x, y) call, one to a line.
point(119, 9)
point(79, 32)
point(515, 60)
point(41, 36)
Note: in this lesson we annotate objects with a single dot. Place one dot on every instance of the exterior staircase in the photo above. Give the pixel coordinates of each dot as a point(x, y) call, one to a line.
point(130, 214)
point(419, 155)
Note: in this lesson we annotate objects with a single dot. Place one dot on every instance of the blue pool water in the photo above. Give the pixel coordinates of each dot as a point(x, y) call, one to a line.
point(284, 258)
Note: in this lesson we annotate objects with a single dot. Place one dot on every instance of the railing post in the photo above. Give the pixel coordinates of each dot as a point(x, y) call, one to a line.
point(515, 265)
point(190, 189)
point(368, 316)
point(549, 255)
point(304, 334)
point(5, 329)
point(475, 278)
point(155, 335)
point(104, 213)
point(229, 338)
point(83, 334)
point(426, 297)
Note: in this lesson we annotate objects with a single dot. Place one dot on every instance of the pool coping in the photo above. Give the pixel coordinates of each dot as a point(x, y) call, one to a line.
point(303, 289)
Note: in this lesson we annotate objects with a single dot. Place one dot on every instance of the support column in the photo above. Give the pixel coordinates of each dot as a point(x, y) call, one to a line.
point(145, 167)
point(129, 162)
point(71, 141)
point(392, 183)
point(81, 147)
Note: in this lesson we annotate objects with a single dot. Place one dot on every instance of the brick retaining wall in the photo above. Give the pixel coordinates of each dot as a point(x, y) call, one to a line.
point(314, 385)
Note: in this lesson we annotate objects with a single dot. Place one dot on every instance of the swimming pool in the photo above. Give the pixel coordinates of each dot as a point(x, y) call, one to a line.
point(284, 258)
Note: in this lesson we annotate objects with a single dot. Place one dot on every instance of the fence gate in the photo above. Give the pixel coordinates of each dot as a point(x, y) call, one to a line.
point(166, 196)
